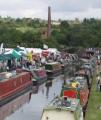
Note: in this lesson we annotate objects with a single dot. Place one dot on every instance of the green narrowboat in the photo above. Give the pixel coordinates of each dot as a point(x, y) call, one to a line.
point(63, 108)
point(53, 69)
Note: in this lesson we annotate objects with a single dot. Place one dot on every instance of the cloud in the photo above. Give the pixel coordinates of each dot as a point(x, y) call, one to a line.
point(70, 5)
point(22, 8)
point(60, 8)
point(75, 5)
point(96, 4)
point(20, 4)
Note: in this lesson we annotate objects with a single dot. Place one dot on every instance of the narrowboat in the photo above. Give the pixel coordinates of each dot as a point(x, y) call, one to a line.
point(90, 69)
point(64, 67)
point(53, 69)
point(39, 75)
point(63, 108)
point(98, 56)
point(98, 59)
point(67, 67)
point(87, 54)
point(9, 108)
point(86, 74)
point(14, 84)
point(76, 88)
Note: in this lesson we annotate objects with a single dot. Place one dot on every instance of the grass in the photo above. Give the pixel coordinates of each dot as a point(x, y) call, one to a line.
point(24, 29)
point(94, 104)
point(34, 30)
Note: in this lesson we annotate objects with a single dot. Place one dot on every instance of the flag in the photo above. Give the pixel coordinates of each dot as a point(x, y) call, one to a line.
point(45, 46)
point(1, 48)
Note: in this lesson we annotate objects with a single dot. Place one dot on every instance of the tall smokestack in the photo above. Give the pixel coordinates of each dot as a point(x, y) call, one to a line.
point(49, 22)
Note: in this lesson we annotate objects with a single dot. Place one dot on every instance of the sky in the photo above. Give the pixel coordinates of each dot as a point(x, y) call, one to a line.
point(61, 9)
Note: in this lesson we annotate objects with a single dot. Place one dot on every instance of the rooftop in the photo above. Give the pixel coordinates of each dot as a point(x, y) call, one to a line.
point(61, 103)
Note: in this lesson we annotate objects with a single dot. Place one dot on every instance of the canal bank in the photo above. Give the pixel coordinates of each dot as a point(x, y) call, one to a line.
point(94, 104)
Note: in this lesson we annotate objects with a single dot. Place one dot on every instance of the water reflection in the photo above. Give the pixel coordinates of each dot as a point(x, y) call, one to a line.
point(39, 100)
point(35, 89)
point(14, 105)
point(48, 85)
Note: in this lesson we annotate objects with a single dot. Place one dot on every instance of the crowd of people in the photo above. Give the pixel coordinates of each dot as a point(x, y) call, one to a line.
point(33, 60)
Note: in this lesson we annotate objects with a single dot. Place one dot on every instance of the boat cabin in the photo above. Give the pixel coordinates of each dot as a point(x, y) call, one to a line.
point(13, 84)
point(63, 109)
point(86, 74)
point(53, 69)
point(76, 88)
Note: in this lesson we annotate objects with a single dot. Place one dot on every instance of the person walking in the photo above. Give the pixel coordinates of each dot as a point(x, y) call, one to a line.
point(98, 83)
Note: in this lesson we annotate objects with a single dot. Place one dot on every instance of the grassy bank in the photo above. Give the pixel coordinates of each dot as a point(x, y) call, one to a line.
point(94, 104)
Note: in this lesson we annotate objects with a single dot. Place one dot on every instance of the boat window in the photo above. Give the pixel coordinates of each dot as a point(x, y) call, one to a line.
point(48, 67)
point(65, 98)
point(66, 103)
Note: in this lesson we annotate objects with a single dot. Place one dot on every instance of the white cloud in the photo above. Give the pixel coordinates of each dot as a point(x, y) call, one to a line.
point(64, 9)
point(71, 5)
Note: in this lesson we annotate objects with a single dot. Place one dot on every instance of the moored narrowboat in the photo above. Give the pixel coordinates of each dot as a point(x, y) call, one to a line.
point(53, 69)
point(86, 67)
point(39, 75)
point(63, 109)
point(86, 74)
point(65, 67)
point(76, 88)
point(86, 54)
point(14, 84)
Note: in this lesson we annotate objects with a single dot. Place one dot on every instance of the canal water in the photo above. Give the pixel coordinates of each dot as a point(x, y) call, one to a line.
point(29, 106)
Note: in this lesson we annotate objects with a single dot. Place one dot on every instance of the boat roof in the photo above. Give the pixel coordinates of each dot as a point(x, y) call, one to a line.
point(63, 103)
point(82, 72)
point(33, 69)
point(52, 63)
point(57, 115)
point(79, 82)
point(6, 76)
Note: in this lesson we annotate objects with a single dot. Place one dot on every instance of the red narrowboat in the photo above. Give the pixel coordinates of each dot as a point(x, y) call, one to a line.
point(13, 85)
point(39, 75)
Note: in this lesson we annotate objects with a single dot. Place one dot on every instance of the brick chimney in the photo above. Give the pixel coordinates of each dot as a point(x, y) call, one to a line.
point(49, 22)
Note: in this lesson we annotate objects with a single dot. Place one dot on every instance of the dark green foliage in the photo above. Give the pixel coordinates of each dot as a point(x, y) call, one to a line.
point(28, 32)
point(84, 34)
